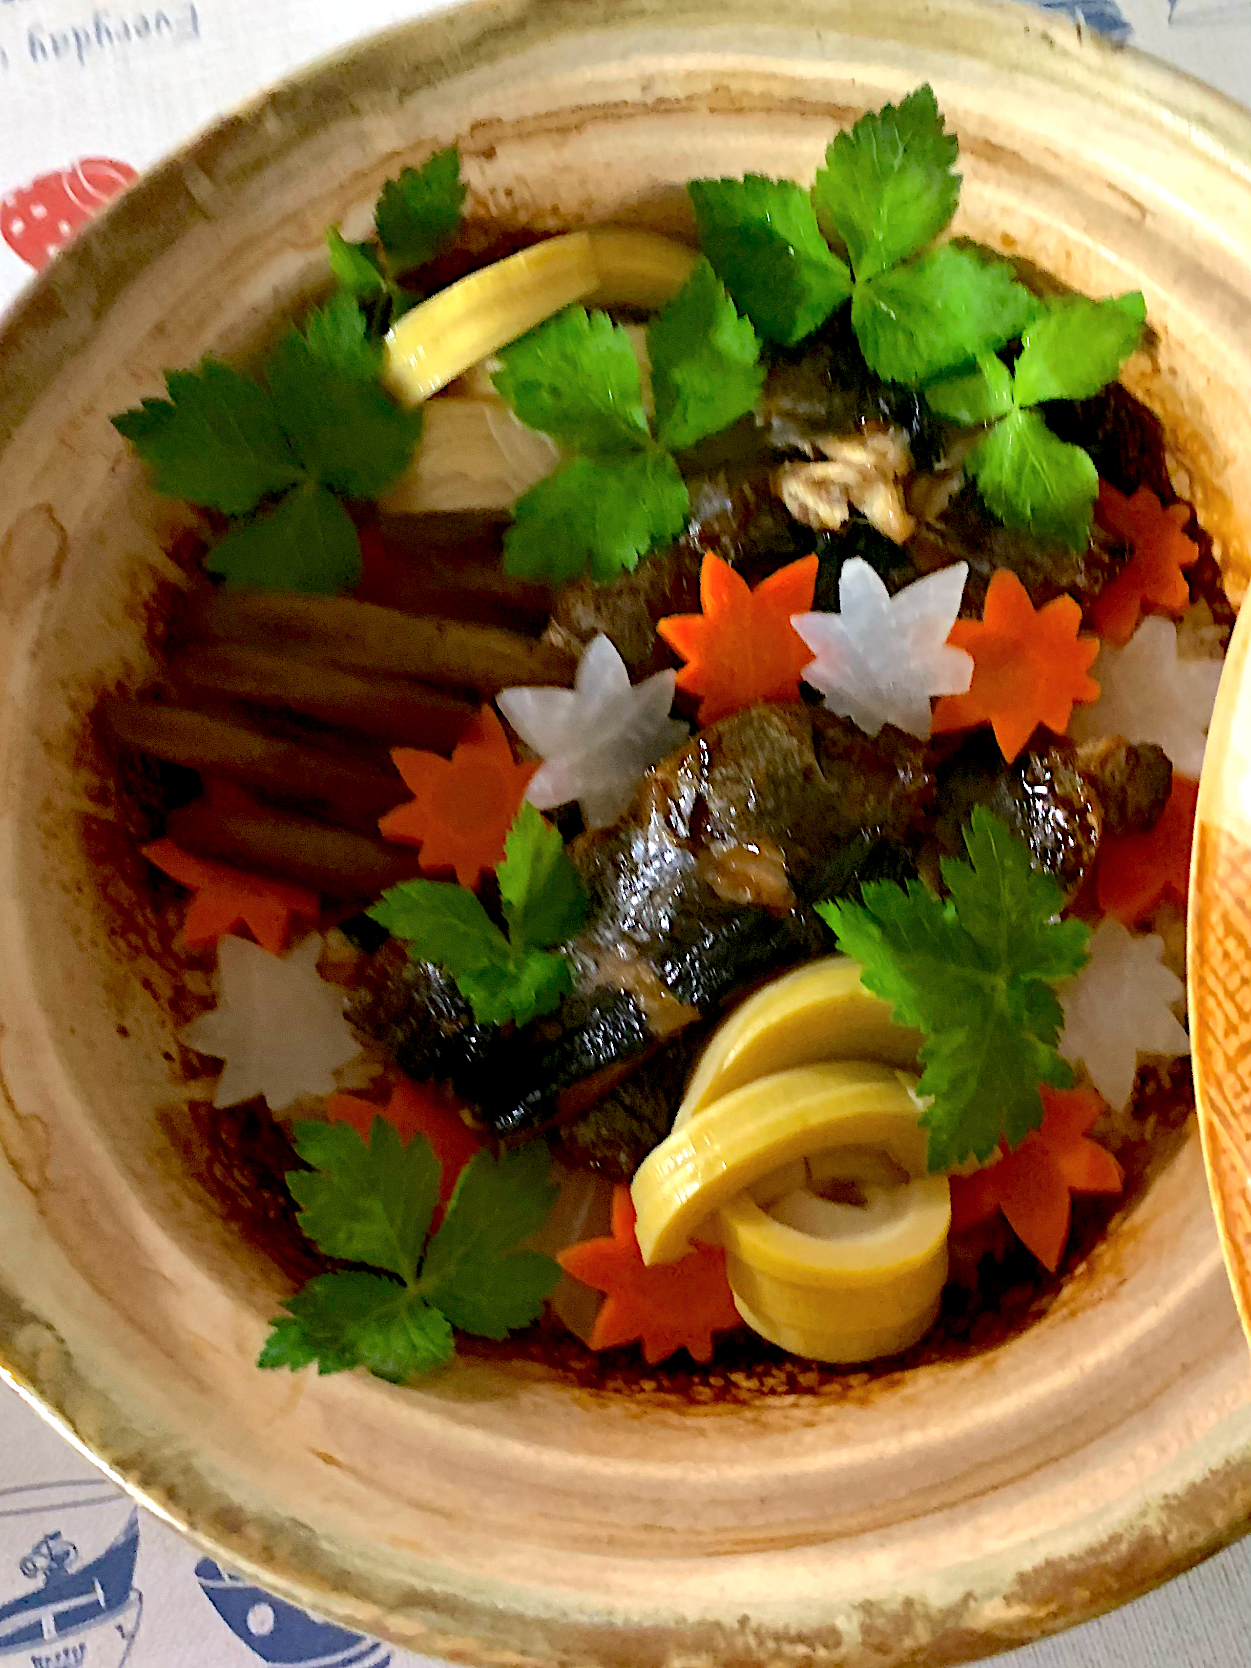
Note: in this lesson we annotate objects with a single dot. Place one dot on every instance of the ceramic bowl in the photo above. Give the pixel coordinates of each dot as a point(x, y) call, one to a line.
point(500, 1514)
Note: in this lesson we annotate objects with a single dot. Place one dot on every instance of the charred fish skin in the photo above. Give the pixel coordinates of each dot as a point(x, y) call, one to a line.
point(1042, 797)
point(529, 1084)
point(728, 950)
point(1133, 780)
point(614, 1137)
point(824, 387)
point(704, 887)
point(419, 1016)
point(890, 561)
point(657, 928)
point(967, 532)
point(1060, 799)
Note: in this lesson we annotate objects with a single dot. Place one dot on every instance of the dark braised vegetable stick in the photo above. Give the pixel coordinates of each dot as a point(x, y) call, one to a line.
point(453, 653)
point(448, 562)
point(350, 794)
point(334, 861)
point(403, 713)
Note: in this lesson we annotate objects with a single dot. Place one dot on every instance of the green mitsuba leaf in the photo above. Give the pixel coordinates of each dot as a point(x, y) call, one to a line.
point(215, 441)
point(418, 214)
point(1034, 481)
point(764, 243)
point(596, 515)
point(979, 396)
point(938, 315)
point(1077, 346)
point(975, 973)
point(308, 543)
point(705, 361)
point(576, 378)
point(889, 186)
point(373, 1201)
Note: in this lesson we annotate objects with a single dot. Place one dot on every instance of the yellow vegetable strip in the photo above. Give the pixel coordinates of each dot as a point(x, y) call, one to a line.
point(441, 338)
point(838, 1344)
point(444, 336)
point(754, 1130)
point(857, 1260)
point(637, 269)
point(819, 1012)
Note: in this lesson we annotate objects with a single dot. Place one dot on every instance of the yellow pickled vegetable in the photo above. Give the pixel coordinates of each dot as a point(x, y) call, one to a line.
point(799, 1148)
point(745, 1135)
point(441, 338)
point(836, 1344)
point(819, 1012)
point(638, 269)
point(834, 1279)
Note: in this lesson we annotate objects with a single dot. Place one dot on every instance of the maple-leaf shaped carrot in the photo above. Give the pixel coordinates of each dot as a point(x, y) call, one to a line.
point(226, 898)
point(1152, 581)
point(1029, 666)
point(1033, 1185)
point(743, 648)
point(415, 1109)
point(462, 807)
point(669, 1307)
point(1137, 870)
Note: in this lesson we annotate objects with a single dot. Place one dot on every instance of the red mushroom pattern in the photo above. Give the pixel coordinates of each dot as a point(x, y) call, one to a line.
point(38, 219)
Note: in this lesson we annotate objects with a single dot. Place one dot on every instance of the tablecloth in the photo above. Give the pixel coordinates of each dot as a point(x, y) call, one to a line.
point(89, 96)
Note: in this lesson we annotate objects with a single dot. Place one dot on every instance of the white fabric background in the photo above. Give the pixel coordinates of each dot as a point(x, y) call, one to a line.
point(128, 80)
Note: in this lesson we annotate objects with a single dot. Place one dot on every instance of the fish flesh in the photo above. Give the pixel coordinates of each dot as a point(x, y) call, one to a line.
point(704, 887)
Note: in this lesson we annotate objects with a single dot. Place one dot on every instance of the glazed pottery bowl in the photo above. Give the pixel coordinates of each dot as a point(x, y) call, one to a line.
point(500, 1514)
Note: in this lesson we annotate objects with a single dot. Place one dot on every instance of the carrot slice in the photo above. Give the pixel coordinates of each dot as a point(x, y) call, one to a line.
point(462, 807)
point(1152, 581)
point(1033, 1186)
point(226, 898)
point(415, 1109)
point(743, 648)
point(669, 1307)
point(1137, 870)
point(1029, 666)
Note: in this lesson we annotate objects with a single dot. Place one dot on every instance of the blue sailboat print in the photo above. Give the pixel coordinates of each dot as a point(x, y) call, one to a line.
point(71, 1610)
point(282, 1633)
point(1105, 17)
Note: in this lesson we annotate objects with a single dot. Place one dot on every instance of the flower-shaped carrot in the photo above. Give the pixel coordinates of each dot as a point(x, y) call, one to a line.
point(226, 898)
point(669, 1307)
point(1152, 581)
point(462, 807)
point(1137, 870)
point(1029, 666)
point(743, 648)
point(1033, 1185)
point(415, 1109)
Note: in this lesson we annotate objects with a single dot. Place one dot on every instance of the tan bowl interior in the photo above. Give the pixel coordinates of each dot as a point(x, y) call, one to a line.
point(497, 1516)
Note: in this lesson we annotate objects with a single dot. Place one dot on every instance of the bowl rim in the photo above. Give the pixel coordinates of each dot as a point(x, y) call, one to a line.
point(44, 326)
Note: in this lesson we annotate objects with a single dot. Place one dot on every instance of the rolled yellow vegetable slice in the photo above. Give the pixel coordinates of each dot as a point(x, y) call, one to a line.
point(839, 1345)
point(819, 1012)
point(862, 1281)
point(638, 269)
point(442, 337)
point(745, 1135)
